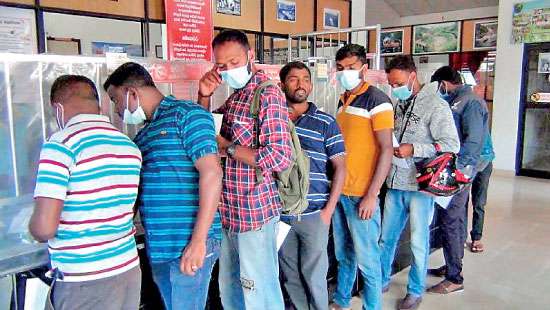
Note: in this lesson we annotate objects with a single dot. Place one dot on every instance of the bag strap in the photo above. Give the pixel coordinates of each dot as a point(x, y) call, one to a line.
point(255, 109)
point(408, 119)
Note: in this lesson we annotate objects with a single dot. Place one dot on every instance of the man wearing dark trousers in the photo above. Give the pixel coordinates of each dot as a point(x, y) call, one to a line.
point(471, 119)
point(303, 255)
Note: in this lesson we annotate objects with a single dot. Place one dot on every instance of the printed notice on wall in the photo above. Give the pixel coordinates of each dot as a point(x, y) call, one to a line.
point(189, 29)
point(16, 35)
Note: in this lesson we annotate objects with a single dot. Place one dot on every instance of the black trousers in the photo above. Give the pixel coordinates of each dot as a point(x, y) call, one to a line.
point(452, 222)
point(480, 186)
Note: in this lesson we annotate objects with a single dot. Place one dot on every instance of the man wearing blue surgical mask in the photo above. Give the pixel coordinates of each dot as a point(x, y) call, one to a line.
point(180, 185)
point(472, 121)
point(423, 127)
point(365, 116)
point(250, 209)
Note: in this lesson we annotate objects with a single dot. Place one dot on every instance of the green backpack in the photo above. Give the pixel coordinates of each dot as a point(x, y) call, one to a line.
point(293, 182)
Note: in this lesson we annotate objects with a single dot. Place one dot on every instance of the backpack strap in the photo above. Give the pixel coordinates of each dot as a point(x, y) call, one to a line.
point(255, 106)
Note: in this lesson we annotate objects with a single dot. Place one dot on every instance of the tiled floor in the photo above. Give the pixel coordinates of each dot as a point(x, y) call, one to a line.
point(514, 270)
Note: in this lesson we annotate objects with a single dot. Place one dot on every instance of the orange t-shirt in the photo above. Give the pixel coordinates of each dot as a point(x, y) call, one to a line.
point(359, 115)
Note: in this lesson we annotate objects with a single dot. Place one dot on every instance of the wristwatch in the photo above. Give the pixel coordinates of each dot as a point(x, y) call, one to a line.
point(231, 150)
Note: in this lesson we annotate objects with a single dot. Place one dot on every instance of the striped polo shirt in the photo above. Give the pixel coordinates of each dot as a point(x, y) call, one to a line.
point(320, 138)
point(179, 133)
point(94, 169)
point(360, 114)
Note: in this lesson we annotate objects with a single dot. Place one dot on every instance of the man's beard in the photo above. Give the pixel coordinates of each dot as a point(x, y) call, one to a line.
point(299, 96)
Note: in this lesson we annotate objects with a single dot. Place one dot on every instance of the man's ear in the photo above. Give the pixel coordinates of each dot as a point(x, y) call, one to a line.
point(251, 55)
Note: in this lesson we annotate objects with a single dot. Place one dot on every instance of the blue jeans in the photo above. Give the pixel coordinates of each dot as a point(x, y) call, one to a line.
point(399, 206)
point(180, 291)
point(356, 245)
point(249, 269)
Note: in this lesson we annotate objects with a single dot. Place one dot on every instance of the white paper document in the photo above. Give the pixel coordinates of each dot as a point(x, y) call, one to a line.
point(443, 201)
point(399, 162)
point(218, 118)
point(283, 230)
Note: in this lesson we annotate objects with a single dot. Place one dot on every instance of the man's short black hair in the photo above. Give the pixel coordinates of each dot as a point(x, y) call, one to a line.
point(64, 86)
point(401, 62)
point(231, 35)
point(446, 73)
point(129, 74)
point(292, 65)
point(351, 50)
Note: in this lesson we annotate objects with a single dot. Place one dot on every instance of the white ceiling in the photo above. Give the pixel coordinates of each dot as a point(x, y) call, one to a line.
point(419, 7)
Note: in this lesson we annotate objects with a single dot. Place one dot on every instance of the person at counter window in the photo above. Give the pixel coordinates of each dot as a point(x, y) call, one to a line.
point(250, 209)
point(303, 255)
point(180, 185)
point(86, 186)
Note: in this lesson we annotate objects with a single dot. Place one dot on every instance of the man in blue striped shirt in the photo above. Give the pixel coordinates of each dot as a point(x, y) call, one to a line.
point(180, 185)
point(303, 255)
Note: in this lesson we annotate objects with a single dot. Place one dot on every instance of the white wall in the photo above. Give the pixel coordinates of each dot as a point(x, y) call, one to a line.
point(508, 77)
point(491, 11)
point(92, 29)
point(379, 12)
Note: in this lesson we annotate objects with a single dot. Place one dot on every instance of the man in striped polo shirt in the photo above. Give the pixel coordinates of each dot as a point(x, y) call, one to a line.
point(180, 185)
point(86, 187)
point(365, 116)
point(303, 255)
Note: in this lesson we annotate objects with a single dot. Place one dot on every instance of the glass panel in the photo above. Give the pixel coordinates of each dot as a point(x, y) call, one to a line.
point(536, 143)
point(27, 115)
point(7, 182)
point(537, 81)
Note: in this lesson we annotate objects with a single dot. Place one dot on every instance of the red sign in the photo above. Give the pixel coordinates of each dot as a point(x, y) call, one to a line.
point(189, 29)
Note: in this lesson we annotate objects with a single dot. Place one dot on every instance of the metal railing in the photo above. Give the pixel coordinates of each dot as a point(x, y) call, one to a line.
point(334, 39)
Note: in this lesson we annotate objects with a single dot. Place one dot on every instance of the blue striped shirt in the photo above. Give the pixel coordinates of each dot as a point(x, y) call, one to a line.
point(179, 133)
point(321, 139)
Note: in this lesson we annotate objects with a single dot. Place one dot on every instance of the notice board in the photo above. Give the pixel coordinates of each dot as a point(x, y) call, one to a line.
point(189, 29)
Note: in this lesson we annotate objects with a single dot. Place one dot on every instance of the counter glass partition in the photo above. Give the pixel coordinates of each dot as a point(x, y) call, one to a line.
point(27, 119)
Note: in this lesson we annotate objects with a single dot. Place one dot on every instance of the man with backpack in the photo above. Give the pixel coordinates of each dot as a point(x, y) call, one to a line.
point(303, 255)
point(365, 117)
point(256, 147)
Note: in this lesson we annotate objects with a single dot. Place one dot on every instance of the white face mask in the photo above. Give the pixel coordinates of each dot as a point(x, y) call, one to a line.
point(136, 117)
point(349, 79)
point(59, 116)
point(237, 78)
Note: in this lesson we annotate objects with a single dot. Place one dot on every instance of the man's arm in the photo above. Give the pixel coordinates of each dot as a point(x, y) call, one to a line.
point(338, 179)
point(473, 133)
point(210, 186)
point(207, 85)
point(274, 153)
point(45, 218)
point(384, 139)
point(443, 130)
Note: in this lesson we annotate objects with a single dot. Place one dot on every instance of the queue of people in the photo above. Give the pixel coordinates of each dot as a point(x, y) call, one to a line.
point(204, 197)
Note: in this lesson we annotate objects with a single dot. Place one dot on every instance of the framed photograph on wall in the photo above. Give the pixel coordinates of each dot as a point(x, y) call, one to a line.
point(331, 19)
point(228, 7)
point(391, 42)
point(544, 63)
point(485, 35)
point(286, 11)
point(436, 38)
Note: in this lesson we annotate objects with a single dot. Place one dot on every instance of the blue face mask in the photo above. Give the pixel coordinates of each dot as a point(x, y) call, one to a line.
point(402, 92)
point(237, 78)
point(445, 95)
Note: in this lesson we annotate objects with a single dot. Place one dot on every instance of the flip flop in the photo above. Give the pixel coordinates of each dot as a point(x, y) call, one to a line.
point(476, 247)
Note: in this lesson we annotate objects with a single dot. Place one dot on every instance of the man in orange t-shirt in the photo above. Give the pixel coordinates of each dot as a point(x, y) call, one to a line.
point(365, 117)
